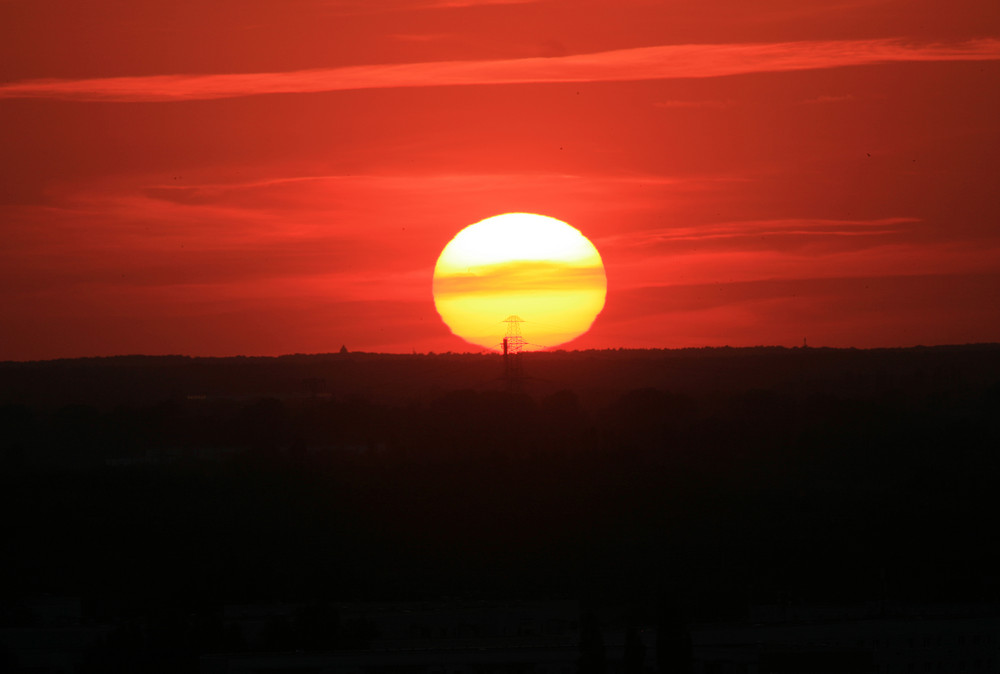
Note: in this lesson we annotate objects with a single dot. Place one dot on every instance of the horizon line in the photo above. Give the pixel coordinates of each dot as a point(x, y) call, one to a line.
point(488, 352)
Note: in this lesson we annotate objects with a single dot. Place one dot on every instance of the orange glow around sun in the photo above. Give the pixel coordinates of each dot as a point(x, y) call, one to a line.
point(532, 266)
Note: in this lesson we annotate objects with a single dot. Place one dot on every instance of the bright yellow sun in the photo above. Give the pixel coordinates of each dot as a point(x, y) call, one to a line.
point(522, 264)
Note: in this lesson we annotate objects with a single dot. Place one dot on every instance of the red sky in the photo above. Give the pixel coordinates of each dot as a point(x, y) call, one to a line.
point(276, 176)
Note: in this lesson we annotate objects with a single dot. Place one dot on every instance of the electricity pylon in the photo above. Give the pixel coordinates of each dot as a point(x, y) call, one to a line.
point(513, 344)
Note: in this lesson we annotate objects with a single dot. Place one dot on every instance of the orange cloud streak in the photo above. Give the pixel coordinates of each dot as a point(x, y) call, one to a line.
point(642, 63)
point(520, 276)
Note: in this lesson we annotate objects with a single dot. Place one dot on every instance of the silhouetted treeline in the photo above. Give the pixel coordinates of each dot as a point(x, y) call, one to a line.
point(596, 376)
point(717, 478)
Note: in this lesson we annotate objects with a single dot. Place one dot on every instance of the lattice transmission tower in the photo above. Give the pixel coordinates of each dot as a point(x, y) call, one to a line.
point(513, 344)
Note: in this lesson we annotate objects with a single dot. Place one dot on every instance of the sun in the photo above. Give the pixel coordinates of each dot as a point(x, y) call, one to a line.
point(523, 264)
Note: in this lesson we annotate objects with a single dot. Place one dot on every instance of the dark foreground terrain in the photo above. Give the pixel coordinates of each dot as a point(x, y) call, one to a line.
point(143, 499)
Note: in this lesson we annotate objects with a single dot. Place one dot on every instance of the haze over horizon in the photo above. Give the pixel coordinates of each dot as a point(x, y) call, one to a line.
point(265, 178)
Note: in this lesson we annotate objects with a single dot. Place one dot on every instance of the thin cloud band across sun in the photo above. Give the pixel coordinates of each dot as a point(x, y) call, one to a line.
point(524, 264)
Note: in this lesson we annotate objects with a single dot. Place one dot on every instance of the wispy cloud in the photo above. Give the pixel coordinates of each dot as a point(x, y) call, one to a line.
point(806, 227)
point(520, 276)
point(422, 37)
point(643, 63)
point(893, 309)
point(383, 6)
point(355, 236)
point(693, 104)
point(455, 4)
point(829, 99)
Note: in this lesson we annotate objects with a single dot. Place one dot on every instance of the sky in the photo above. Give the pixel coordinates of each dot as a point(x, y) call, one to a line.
point(263, 177)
